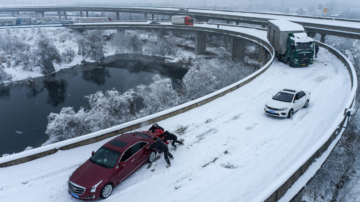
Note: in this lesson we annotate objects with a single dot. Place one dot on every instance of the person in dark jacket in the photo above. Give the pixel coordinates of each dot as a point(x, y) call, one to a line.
point(165, 136)
point(154, 127)
point(161, 147)
point(316, 50)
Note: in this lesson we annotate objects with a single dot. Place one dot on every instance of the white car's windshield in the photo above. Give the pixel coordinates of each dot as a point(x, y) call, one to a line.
point(284, 97)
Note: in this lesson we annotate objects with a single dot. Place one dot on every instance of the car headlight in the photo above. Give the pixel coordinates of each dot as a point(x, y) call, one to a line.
point(93, 189)
point(282, 109)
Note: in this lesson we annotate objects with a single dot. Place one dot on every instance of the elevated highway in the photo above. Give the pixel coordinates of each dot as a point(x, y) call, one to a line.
point(324, 26)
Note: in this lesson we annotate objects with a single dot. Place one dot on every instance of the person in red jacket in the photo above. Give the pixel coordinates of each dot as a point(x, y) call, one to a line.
point(158, 133)
point(165, 136)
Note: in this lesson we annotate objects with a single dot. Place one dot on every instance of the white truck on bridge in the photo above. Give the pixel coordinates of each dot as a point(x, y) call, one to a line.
point(291, 43)
point(182, 20)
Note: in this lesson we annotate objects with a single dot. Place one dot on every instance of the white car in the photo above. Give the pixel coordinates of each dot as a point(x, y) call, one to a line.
point(286, 102)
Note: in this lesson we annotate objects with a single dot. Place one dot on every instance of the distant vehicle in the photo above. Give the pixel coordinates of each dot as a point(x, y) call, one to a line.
point(110, 165)
point(93, 19)
point(12, 21)
point(183, 9)
point(154, 23)
point(182, 20)
point(67, 22)
point(37, 22)
point(286, 102)
point(291, 43)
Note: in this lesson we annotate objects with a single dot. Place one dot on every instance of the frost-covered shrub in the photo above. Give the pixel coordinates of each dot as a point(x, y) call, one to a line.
point(3, 75)
point(65, 125)
point(91, 45)
point(68, 55)
point(46, 53)
point(197, 82)
point(159, 95)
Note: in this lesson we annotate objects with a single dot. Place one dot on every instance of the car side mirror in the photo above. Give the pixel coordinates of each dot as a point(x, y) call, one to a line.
point(122, 163)
point(92, 153)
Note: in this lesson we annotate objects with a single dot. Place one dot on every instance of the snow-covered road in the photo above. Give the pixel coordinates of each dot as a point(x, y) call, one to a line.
point(259, 148)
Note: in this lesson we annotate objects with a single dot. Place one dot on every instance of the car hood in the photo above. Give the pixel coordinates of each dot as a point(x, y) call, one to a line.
point(277, 104)
point(89, 174)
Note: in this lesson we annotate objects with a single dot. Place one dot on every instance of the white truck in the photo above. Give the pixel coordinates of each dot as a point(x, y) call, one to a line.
point(182, 20)
point(291, 43)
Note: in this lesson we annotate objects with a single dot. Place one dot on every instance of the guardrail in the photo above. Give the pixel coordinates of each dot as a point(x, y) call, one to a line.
point(110, 132)
point(280, 186)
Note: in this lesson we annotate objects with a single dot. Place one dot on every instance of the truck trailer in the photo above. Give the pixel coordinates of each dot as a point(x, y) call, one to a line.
point(12, 21)
point(182, 20)
point(291, 43)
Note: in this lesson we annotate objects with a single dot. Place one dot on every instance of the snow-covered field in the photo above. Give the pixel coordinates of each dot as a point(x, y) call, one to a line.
point(259, 148)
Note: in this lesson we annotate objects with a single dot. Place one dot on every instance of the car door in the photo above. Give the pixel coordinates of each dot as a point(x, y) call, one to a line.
point(300, 100)
point(297, 102)
point(143, 152)
point(124, 170)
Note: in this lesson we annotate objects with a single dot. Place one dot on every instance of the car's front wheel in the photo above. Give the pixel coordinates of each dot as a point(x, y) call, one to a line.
point(151, 157)
point(106, 191)
point(290, 114)
point(306, 104)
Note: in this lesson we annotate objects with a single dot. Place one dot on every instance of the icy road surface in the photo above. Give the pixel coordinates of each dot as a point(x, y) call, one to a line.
point(259, 147)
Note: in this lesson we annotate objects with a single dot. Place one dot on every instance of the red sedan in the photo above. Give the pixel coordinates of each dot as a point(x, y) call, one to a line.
point(110, 165)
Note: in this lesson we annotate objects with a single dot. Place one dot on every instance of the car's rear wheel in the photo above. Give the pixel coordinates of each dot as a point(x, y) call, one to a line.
point(106, 191)
point(290, 114)
point(306, 104)
point(151, 157)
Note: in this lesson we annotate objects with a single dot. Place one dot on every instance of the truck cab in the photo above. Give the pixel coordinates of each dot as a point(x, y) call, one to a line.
point(299, 49)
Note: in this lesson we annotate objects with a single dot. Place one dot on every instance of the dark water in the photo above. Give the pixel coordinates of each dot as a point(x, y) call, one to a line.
point(24, 107)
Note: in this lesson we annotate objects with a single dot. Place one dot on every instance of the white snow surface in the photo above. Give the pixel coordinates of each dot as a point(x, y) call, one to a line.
point(260, 148)
point(285, 25)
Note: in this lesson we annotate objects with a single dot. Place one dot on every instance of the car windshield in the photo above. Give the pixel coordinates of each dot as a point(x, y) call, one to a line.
point(304, 46)
point(105, 157)
point(284, 97)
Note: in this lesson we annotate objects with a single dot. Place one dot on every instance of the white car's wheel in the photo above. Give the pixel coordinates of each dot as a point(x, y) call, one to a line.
point(306, 104)
point(290, 114)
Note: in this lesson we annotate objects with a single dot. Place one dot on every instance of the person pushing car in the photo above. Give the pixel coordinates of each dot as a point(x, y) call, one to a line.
point(161, 147)
point(165, 136)
point(154, 127)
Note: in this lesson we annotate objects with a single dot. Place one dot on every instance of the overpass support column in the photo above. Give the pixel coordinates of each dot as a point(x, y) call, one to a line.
point(152, 16)
point(261, 54)
point(81, 14)
point(59, 16)
point(238, 49)
point(237, 22)
point(43, 14)
point(160, 34)
point(87, 14)
point(226, 41)
point(200, 43)
point(117, 16)
point(323, 37)
point(12, 13)
point(18, 13)
point(145, 16)
point(65, 15)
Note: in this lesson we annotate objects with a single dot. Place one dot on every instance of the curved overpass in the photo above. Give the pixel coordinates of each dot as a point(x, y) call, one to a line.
point(325, 26)
point(264, 153)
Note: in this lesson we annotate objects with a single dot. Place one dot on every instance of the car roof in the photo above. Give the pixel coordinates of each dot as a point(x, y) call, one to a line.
point(124, 141)
point(290, 91)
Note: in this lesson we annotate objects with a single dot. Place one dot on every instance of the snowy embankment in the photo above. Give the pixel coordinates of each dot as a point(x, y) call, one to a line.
point(247, 149)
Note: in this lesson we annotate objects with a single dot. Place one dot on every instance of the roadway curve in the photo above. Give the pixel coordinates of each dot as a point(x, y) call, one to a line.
point(261, 150)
